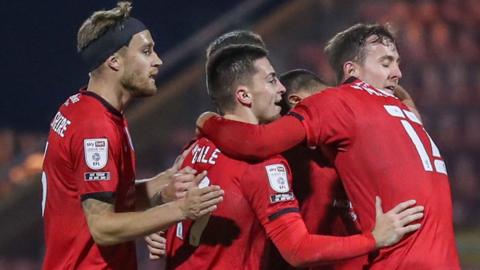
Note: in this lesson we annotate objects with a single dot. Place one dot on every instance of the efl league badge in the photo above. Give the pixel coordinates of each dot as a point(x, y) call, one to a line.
point(96, 153)
point(277, 177)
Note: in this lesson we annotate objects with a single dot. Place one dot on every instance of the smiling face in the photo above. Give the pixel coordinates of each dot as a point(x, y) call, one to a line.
point(266, 92)
point(140, 65)
point(380, 64)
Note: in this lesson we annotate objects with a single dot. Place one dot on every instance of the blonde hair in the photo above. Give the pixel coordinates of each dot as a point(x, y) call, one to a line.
point(100, 21)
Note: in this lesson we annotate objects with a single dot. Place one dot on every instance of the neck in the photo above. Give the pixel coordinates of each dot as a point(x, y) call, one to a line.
point(110, 90)
point(242, 115)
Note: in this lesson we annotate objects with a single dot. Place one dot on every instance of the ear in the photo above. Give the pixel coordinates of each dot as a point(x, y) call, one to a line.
point(350, 69)
point(242, 94)
point(113, 62)
point(293, 99)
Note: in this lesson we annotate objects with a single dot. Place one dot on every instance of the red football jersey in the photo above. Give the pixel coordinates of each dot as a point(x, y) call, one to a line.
point(380, 148)
point(233, 236)
point(88, 154)
point(258, 202)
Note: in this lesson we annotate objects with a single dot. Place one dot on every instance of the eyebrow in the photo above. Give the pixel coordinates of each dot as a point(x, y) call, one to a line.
point(148, 44)
point(271, 74)
point(389, 57)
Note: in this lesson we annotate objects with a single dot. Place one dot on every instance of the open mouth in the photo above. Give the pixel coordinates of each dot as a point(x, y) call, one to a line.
point(391, 88)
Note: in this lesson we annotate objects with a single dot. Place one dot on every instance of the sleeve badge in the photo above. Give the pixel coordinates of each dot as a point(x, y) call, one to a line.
point(96, 153)
point(277, 177)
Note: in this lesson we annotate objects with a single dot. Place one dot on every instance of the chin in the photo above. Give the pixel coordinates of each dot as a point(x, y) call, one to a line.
point(143, 91)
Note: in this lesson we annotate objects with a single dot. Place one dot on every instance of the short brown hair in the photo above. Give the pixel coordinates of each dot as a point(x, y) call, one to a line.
point(228, 67)
point(349, 45)
point(100, 21)
point(237, 37)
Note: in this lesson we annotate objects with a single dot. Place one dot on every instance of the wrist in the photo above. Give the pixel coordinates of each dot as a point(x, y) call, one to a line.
point(179, 208)
point(378, 243)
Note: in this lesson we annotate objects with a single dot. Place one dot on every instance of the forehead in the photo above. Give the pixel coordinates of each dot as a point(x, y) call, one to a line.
point(141, 39)
point(384, 47)
point(263, 66)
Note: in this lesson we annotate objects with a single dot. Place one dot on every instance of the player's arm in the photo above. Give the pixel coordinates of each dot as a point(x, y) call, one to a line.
point(247, 141)
point(109, 227)
point(299, 248)
point(406, 99)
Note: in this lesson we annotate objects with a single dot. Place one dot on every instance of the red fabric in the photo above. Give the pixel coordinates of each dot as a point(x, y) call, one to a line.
point(69, 244)
point(300, 248)
point(256, 141)
point(324, 205)
point(234, 237)
point(374, 154)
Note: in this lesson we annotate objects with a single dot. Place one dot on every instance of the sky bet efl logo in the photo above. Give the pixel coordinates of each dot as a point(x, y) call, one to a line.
point(277, 177)
point(96, 153)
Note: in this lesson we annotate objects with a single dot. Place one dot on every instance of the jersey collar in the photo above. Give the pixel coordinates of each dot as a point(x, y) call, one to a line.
point(105, 103)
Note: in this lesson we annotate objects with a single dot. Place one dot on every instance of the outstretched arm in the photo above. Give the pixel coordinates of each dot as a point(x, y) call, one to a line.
point(109, 227)
point(247, 141)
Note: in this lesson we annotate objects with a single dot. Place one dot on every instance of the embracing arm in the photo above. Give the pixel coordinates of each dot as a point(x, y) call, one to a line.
point(300, 248)
point(247, 141)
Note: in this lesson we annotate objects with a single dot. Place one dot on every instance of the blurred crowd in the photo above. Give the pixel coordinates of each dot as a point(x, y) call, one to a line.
point(21, 158)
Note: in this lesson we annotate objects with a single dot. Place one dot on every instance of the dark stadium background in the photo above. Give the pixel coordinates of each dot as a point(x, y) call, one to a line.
point(439, 44)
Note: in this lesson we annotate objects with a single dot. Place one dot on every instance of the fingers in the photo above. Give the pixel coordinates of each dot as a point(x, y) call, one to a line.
point(156, 245)
point(402, 206)
point(410, 218)
point(198, 178)
point(409, 229)
point(187, 170)
point(378, 206)
point(208, 210)
point(210, 199)
point(203, 118)
point(201, 201)
point(410, 211)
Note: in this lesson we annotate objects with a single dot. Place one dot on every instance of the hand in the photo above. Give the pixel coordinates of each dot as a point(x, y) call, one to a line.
point(178, 180)
point(157, 245)
point(391, 226)
point(178, 184)
point(200, 201)
point(202, 119)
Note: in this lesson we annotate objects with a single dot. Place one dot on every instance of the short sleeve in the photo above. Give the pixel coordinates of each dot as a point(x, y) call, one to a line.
point(268, 188)
point(95, 152)
point(327, 119)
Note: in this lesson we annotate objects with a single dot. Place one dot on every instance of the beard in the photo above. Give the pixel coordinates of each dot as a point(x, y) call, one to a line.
point(138, 85)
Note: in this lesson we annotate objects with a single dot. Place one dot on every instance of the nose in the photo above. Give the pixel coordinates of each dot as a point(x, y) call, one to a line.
point(281, 89)
point(157, 62)
point(396, 72)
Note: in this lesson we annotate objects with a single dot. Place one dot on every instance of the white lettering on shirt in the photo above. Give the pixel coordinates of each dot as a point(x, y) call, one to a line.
point(60, 124)
point(204, 155)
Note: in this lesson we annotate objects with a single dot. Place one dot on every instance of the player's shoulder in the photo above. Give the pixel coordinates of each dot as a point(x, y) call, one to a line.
point(273, 163)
